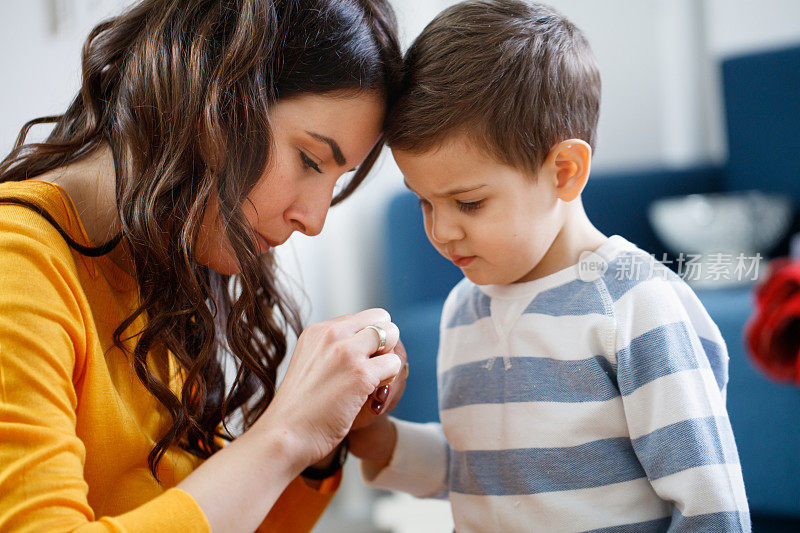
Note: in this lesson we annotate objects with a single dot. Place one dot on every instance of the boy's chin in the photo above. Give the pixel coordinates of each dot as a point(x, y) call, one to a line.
point(481, 278)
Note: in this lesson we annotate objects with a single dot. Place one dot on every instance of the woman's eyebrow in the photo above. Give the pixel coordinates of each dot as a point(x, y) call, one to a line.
point(337, 152)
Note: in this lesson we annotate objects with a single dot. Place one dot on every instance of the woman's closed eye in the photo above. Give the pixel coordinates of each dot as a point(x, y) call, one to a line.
point(469, 207)
point(309, 163)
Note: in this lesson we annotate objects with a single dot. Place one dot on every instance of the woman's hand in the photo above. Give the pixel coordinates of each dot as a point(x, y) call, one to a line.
point(385, 398)
point(380, 402)
point(332, 373)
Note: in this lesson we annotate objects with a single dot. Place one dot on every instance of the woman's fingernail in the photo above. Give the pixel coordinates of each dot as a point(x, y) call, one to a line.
point(376, 406)
point(381, 393)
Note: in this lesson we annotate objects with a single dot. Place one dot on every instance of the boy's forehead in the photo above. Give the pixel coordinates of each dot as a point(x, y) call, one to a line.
point(457, 161)
point(458, 141)
point(452, 152)
point(439, 174)
point(434, 169)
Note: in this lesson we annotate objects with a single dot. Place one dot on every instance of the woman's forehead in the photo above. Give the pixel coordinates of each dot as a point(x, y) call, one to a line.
point(349, 124)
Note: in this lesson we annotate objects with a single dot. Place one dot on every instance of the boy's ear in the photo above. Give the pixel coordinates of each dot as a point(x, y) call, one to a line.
point(570, 162)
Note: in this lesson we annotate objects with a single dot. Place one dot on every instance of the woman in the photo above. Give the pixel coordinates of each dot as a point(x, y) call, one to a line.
point(139, 308)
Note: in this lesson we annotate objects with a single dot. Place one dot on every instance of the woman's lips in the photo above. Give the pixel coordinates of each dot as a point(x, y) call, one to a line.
point(461, 261)
point(265, 244)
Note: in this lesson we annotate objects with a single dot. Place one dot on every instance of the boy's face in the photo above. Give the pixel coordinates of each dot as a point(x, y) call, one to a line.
point(493, 221)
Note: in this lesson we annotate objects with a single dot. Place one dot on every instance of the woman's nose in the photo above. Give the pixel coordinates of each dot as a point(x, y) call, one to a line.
point(307, 215)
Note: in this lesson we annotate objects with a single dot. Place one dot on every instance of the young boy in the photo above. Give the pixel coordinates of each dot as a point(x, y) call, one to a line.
point(581, 385)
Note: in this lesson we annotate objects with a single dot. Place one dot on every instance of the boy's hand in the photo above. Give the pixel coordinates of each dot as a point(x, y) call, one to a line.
point(374, 444)
point(373, 436)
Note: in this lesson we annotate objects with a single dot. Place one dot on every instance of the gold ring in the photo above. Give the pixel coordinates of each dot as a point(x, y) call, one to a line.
point(381, 336)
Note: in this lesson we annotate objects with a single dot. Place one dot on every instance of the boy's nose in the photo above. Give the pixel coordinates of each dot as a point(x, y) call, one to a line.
point(442, 230)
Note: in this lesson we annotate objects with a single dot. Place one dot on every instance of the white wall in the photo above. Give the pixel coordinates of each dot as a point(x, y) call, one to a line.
point(739, 26)
point(40, 45)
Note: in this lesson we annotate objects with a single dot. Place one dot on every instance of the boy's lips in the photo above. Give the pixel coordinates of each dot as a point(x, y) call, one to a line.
point(461, 260)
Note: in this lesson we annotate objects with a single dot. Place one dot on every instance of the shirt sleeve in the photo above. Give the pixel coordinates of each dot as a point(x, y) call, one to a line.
point(419, 462)
point(300, 506)
point(675, 409)
point(42, 350)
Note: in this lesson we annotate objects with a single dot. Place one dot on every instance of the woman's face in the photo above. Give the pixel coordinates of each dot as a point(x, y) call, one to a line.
point(317, 138)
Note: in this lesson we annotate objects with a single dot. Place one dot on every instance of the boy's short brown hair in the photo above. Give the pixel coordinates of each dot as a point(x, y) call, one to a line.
point(515, 76)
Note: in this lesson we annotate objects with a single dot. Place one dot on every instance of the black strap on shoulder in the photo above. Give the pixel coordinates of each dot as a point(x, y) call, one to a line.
point(90, 251)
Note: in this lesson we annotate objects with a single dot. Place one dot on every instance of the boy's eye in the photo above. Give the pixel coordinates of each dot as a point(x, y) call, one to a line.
point(308, 162)
point(469, 207)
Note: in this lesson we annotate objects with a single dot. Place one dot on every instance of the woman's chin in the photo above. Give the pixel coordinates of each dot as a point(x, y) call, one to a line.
point(225, 267)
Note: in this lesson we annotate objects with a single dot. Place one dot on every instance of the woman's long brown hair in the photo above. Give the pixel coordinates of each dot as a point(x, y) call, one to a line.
point(170, 85)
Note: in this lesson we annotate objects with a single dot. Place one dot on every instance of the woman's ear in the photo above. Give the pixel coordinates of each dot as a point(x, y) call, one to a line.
point(571, 161)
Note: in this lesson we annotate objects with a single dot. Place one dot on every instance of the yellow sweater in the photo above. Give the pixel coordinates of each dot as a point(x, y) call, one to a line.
point(76, 425)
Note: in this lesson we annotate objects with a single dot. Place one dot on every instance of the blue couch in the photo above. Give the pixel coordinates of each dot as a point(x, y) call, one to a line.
point(762, 103)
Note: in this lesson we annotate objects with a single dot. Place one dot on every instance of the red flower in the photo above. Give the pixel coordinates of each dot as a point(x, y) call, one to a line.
point(773, 332)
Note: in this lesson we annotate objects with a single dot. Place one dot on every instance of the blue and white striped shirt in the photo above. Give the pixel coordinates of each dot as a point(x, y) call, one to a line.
point(572, 405)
